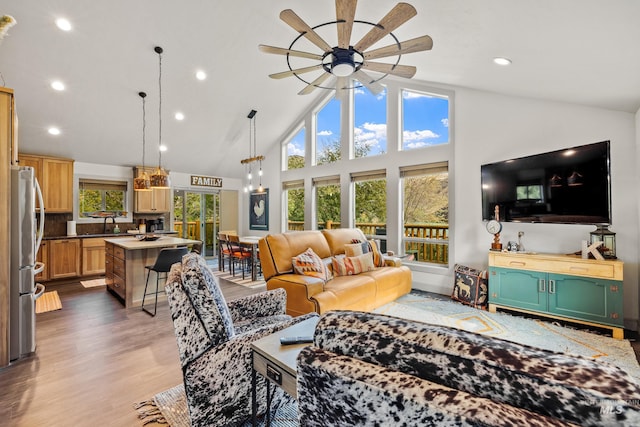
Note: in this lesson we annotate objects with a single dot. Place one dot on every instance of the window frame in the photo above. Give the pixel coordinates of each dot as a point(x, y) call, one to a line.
point(77, 179)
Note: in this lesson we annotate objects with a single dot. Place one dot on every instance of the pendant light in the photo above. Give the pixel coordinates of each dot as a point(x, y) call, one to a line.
point(160, 178)
point(253, 157)
point(142, 182)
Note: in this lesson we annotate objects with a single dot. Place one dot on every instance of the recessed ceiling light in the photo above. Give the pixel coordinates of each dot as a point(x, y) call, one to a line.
point(179, 116)
point(54, 131)
point(63, 24)
point(163, 148)
point(502, 61)
point(57, 85)
point(201, 75)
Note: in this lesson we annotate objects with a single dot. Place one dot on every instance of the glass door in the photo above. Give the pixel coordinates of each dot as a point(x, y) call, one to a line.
point(196, 216)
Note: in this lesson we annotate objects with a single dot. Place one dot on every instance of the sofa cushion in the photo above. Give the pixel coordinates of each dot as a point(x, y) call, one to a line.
point(470, 286)
point(277, 250)
point(570, 388)
point(337, 238)
point(308, 263)
point(378, 260)
point(350, 265)
point(336, 390)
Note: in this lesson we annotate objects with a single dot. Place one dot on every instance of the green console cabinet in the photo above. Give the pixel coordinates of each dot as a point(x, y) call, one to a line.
point(559, 286)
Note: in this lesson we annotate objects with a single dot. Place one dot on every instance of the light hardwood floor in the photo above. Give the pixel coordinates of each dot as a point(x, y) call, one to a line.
point(94, 360)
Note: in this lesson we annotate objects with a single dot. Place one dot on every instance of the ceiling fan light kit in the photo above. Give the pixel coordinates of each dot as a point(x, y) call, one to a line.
point(345, 61)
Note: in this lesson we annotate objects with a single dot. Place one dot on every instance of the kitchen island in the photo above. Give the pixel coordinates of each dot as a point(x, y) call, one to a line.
point(125, 261)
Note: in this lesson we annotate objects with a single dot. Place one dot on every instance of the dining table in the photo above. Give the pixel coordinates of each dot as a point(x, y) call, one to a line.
point(252, 243)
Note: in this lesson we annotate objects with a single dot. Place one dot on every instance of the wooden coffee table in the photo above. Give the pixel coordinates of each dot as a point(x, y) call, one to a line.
point(277, 362)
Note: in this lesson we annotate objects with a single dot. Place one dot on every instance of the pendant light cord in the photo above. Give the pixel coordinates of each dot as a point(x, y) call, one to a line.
point(160, 110)
point(144, 126)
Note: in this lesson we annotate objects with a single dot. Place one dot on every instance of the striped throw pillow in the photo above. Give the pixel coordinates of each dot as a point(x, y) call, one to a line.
point(348, 266)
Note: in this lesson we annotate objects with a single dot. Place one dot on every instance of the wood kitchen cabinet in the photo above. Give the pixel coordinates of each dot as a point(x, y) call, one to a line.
point(64, 258)
point(55, 176)
point(158, 200)
point(93, 256)
point(115, 270)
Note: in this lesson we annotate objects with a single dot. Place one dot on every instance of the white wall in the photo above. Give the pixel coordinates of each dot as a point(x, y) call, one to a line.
point(491, 127)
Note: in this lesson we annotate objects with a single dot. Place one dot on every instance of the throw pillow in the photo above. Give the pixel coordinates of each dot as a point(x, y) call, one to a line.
point(348, 266)
point(470, 286)
point(378, 260)
point(309, 263)
point(353, 249)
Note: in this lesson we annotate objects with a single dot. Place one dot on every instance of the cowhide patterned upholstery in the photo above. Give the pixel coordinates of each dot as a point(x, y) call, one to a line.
point(214, 341)
point(372, 369)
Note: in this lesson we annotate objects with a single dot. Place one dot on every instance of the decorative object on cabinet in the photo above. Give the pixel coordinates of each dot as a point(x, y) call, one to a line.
point(142, 182)
point(494, 227)
point(6, 22)
point(586, 291)
point(259, 210)
point(160, 178)
point(608, 239)
point(253, 156)
point(346, 61)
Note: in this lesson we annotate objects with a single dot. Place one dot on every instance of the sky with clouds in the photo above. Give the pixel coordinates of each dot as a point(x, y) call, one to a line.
point(425, 122)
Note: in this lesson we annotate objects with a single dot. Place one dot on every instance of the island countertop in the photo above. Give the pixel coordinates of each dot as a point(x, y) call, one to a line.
point(132, 243)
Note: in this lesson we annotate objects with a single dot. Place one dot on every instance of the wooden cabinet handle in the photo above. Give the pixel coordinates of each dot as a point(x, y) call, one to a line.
point(517, 263)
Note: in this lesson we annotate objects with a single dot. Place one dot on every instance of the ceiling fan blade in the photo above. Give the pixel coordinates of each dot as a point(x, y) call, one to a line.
point(296, 71)
point(282, 51)
point(406, 71)
point(368, 82)
point(345, 11)
point(317, 82)
point(414, 45)
point(295, 22)
point(397, 16)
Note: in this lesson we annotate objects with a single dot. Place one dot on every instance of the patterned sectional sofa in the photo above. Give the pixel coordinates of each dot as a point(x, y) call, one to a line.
point(371, 369)
point(305, 293)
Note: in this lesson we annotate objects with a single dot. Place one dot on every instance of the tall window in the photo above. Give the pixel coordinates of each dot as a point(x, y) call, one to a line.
point(327, 202)
point(101, 195)
point(295, 151)
point(328, 133)
point(294, 199)
point(425, 120)
point(370, 123)
point(370, 191)
point(426, 212)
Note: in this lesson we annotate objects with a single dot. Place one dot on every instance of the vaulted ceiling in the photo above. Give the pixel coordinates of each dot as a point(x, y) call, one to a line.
point(578, 51)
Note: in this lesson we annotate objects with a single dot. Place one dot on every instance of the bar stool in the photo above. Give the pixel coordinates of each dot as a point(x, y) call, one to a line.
point(166, 258)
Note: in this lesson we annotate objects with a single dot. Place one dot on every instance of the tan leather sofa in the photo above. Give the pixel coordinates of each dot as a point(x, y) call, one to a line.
point(305, 294)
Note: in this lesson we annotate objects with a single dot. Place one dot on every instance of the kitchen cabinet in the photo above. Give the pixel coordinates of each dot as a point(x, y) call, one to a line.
point(93, 256)
point(565, 287)
point(55, 176)
point(8, 138)
point(158, 200)
point(64, 258)
point(43, 256)
point(115, 270)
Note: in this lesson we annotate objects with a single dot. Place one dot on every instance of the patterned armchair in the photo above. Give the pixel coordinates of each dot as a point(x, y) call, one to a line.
point(372, 369)
point(214, 342)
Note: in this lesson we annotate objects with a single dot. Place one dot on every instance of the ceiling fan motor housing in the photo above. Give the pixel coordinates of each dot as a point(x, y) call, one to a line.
point(343, 62)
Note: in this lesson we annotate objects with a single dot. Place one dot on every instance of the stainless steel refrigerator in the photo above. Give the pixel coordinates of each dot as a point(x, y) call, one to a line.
point(26, 236)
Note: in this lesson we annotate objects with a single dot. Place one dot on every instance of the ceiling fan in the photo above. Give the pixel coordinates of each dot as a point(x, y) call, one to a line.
point(344, 62)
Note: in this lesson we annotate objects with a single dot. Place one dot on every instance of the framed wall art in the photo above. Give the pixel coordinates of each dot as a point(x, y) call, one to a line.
point(259, 210)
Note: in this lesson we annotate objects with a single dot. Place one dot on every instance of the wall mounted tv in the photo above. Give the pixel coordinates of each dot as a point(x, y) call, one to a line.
point(570, 186)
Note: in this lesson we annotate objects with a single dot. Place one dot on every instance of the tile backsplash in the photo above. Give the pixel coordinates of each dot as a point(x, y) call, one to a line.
point(55, 225)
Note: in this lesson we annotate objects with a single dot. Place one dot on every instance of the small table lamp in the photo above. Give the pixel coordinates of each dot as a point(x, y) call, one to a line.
point(608, 237)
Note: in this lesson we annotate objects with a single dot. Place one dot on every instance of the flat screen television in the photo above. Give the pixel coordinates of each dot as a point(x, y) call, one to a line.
point(569, 186)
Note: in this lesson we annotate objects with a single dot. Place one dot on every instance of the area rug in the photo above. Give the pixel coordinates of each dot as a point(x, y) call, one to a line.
point(170, 408)
point(49, 301)
point(534, 332)
point(237, 279)
point(93, 283)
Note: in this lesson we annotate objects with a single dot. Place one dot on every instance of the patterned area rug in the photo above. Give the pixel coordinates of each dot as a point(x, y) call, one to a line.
point(170, 408)
point(534, 332)
point(49, 301)
point(93, 283)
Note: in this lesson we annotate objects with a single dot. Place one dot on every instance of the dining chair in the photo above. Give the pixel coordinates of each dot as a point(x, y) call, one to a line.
point(166, 258)
point(239, 253)
point(224, 253)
